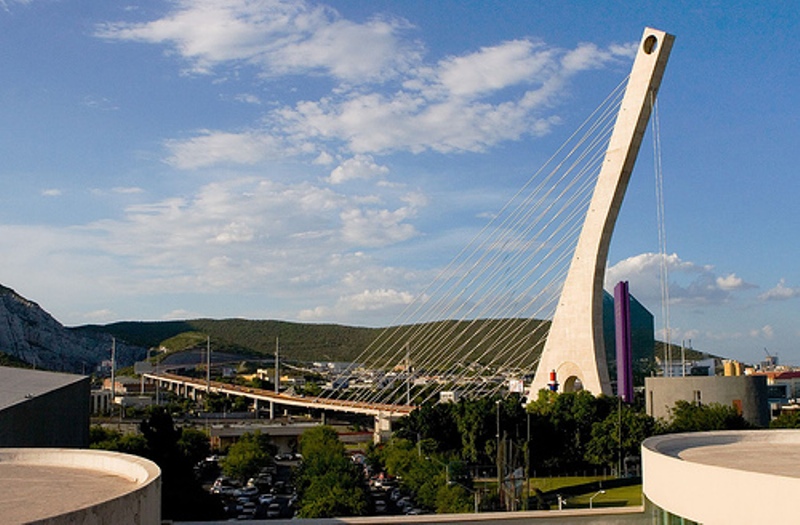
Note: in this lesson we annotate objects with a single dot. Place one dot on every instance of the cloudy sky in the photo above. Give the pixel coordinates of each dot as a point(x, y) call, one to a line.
point(321, 162)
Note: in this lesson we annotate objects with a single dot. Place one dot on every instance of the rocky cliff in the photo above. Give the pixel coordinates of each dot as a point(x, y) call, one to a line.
point(33, 335)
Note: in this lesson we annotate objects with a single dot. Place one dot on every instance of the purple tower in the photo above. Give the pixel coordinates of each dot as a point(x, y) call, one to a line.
point(622, 325)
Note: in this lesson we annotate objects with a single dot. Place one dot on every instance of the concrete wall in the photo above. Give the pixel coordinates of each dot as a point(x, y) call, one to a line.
point(140, 506)
point(730, 493)
point(747, 392)
point(55, 418)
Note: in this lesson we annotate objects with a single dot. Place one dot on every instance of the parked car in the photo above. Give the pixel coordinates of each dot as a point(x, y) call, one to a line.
point(274, 510)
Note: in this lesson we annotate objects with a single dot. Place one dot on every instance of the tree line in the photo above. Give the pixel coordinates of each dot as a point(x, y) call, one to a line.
point(435, 451)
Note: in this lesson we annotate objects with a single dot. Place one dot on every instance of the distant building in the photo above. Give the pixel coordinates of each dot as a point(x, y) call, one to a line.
point(43, 409)
point(124, 385)
point(101, 402)
point(783, 389)
point(748, 394)
point(448, 396)
point(678, 368)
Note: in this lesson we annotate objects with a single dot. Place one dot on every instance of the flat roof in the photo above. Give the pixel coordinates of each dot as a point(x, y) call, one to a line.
point(41, 483)
point(774, 452)
point(20, 384)
point(35, 492)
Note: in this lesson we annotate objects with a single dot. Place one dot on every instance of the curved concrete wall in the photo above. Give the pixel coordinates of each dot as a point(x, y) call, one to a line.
point(141, 505)
point(737, 489)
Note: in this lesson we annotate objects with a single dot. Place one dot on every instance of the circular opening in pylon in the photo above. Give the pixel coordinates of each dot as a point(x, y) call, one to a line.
point(650, 44)
point(573, 384)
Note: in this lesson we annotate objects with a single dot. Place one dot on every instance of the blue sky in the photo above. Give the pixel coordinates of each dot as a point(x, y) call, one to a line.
point(321, 162)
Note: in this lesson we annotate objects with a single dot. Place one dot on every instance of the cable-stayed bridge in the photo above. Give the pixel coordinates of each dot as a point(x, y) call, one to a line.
point(484, 325)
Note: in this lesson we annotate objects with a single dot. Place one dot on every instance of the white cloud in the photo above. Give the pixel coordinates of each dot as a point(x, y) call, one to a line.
point(447, 107)
point(214, 147)
point(301, 245)
point(689, 282)
point(278, 37)
point(100, 316)
point(127, 190)
point(249, 232)
point(6, 4)
point(496, 67)
point(247, 98)
point(368, 301)
point(234, 232)
point(377, 227)
point(324, 159)
point(99, 103)
point(179, 314)
point(766, 332)
point(780, 292)
point(589, 56)
point(387, 97)
point(731, 282)
point(376, 299)
point(52, 192)
point(358, 167)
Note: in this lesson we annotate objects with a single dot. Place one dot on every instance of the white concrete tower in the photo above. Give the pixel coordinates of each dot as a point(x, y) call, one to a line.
point(574, 347)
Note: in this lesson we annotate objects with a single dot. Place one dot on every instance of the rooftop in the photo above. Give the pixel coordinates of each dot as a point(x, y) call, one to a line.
point(19, 384)
point(699, 475)
point(45, 483)
point(774, 452)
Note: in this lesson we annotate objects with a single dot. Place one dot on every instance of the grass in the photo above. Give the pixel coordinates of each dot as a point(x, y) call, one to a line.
point(619, 497)
point(615, 497)
point(548, 484)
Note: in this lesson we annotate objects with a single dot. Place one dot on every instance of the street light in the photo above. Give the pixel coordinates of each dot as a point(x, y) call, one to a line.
point(497, 453)
point(449, 482)
point(594, 496)
point(473, 491)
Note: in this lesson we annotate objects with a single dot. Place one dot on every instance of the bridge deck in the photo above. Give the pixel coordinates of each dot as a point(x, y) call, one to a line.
point(321, 403)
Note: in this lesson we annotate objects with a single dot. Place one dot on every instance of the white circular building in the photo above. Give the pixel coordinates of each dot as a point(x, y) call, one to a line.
point(81, 487)
point(726, 477)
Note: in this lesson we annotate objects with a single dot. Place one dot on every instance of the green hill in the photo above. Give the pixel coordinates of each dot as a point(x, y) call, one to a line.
point(313, 342)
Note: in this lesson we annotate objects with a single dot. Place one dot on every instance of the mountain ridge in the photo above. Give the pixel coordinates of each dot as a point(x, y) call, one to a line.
point(30, 334)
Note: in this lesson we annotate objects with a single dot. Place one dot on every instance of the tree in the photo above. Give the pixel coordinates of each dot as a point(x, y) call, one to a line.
point(174, 450)
point(788, 419)
point(194, 444)
point(434, 422)
point(605, 447)
point(453, 498)
point(696, 417)
point(476, 424)
point(328, 483)
point(563, 424)
point(251, 453)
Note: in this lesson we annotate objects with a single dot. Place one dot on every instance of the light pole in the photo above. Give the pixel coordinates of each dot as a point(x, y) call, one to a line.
point(449, 482)
point(594, 496)
point(499, 465)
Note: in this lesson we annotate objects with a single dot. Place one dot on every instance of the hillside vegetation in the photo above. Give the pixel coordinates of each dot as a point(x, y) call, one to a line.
point(300, 341)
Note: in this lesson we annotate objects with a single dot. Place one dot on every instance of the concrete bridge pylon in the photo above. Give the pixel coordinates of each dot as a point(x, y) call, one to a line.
point(574, 354)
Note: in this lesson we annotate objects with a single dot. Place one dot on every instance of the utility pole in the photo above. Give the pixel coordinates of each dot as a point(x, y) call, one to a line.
point(113, 367)
point(408, 377)
point(499, 461)
point(208, 365)
point(277, 366)
point(527, 464)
